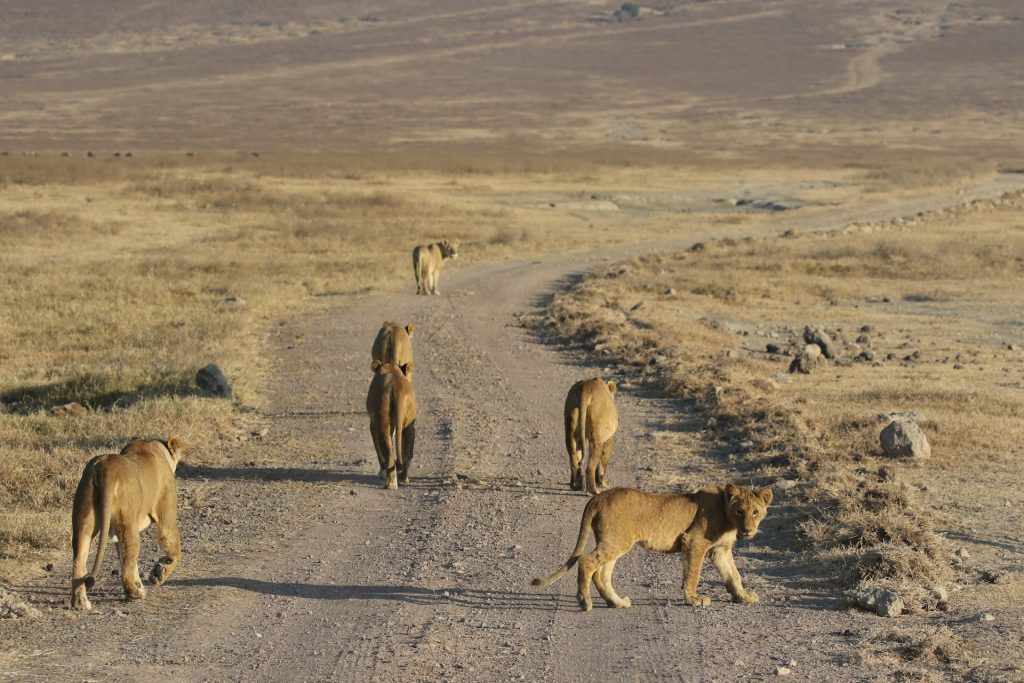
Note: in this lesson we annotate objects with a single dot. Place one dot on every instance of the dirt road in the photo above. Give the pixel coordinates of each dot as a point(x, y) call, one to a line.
point(299, 566)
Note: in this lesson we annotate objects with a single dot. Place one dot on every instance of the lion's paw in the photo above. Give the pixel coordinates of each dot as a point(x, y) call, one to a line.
point(698, 601)
point(746, 598)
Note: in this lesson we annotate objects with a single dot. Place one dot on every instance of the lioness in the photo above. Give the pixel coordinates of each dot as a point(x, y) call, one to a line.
point(391, 403)
point(393, 344)
point(590, 423)
point(696, 524)
point(427, 260)
point(119, 495)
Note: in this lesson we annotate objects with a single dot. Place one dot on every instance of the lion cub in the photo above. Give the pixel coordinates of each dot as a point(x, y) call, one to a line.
point(590, 423)
point(391, 404)
point(393, 344)
point(427, 260)
point(119, 495)
point(696, 524)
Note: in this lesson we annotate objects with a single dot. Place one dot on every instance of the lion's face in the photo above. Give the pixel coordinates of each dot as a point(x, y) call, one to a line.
point(450, 249)
point(747, 508)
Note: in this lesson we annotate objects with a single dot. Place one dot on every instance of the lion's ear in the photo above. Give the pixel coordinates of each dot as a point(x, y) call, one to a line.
point(765, 495)
point(409, 329)
point(732, 491)
point(376, 365)
point(175, 446)
point(613, 387)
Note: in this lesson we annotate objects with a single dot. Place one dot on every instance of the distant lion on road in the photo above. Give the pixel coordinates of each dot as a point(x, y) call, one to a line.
point(590, 424)
point(427, 261)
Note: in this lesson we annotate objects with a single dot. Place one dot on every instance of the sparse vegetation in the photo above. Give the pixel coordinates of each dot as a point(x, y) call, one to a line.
point(707, 317)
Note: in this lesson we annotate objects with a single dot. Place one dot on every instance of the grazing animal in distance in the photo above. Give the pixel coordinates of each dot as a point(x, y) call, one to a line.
point(427, 261)
point(591, 420)
point(391, 404)
point(699, 524)
point(118, 496)
point(393, 344)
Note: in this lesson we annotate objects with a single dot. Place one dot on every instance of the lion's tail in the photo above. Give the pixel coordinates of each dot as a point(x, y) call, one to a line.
point(589, 513)
point(103, 505)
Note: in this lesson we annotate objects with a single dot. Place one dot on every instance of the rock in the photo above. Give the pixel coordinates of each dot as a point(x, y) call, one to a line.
point(12, 607)
point(1012, 347)
point(231, 302)
point(671, 291)
point(808, 360)
point(940, 593)
point(818, 336)
point(984, 616)
point(783, 671)
point(773, 348)
point(784, 484)
point(638, 305)
point(212, 380)
point(905, 439)
point(69, 409)
point(259, 433)
point(962, 554)
point(884, 602)
point(864, 340)
point(865, 356)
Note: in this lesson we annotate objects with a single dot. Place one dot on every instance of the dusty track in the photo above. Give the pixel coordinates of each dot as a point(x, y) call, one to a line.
point(301, 567)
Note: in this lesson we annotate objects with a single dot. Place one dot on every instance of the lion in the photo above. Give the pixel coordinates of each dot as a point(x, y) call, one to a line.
point(590, 423)
point(393, 344)
point(118, 496)
point(696, 524)
point(391, 403)
point(427, 260)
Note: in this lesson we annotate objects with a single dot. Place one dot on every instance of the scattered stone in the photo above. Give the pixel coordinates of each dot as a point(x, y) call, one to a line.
point(884, 602)
point(212, 380)
point(818, 336)
point(353, 492)
point(784, 484)
point(940, 594)
point(962, 554)
point(996, 576)
point(866, 328)
point(865, 356)
point(773, 348)
point(984, 616)
point(902, 416)
point(864, 340)
point(808, 360)
point(905, 439)
point(886, 473)
point(12, 607)
point(1012, 347)
point(783, 671)
point(259, 433)
point(958, 366)
point(638, 305)
point(231, 302)
point(698, 246)
point(69, 409)
point(791, 663)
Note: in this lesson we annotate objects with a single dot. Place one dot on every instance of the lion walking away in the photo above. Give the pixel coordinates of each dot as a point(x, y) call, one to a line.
point(118, 496)
point(427, 260)
point(591, 420)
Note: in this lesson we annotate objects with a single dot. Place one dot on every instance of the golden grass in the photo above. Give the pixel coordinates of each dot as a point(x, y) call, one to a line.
point(944, 286)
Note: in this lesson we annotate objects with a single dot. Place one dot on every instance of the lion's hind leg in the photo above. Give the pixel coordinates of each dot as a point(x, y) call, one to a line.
point(82, 533)
point(603, 581)
point(589, 566)
point(129, 544)
point(575, 454)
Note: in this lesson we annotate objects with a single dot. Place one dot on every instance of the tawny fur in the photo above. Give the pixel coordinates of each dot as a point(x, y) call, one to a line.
point(699, 524)
point(590, 424)
point(427, 260)
point(119, 495)
point(393, 344)
point(391, 404)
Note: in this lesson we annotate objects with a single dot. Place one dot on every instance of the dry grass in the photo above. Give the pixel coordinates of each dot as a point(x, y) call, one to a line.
point(941, 286)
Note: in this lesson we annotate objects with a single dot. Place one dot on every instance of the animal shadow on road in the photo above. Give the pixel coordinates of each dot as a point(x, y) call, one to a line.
point(462, 597)
point(299, 474)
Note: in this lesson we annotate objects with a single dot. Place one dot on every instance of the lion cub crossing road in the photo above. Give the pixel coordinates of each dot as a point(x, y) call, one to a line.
point(695, 524)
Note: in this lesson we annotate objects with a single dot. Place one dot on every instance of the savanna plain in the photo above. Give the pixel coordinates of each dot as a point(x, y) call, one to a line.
point(665, 195)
